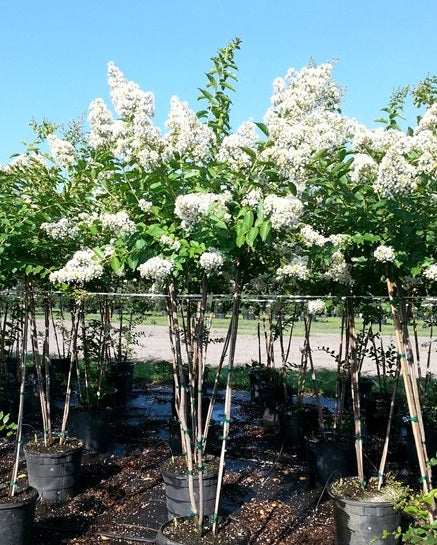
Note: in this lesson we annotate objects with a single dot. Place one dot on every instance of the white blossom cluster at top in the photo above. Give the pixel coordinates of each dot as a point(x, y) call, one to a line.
point(316, 306)
point(384, 254)
point(156, 269)
point(81, 268)
point(192, 208)
point(211, 261)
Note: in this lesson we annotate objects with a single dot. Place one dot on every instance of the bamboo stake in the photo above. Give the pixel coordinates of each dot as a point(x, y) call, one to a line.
point(228, 395)
point(352, 357)
point(18, 437)
point(408, 389)
point(382, 464)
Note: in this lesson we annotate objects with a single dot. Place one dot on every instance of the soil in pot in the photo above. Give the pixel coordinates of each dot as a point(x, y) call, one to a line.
point(362, 515)
point(183, 531)
point(54, 470)
point(16, 515)
point(175, 477)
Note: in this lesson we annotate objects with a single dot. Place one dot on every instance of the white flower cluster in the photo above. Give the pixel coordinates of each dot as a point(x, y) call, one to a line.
point(431, 273)
point(339, 270)
point(156, 268)
point(82, 267)
point(296, 270)
point(144, 205)
point(61, 229)
point(252, 198)
point(118, 223)
point(339, 239)
point(363, 166)
point(426, 142)
point(311, 237)
point(231, 149)
point(101, 124)
point(384, 254)
point(187, 135)
point(429, 120)
point(396, 176)
point(170, 242)
point(284, 211)
point(193, 207)
point(302, 92)
point(316, 306)
point(63, 152)
point(127, 97)
point(211, 261)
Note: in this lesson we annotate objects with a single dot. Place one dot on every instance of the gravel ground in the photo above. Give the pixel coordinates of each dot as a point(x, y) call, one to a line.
point(154, 344)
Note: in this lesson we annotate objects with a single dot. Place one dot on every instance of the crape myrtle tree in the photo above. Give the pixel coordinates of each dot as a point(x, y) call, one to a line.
point(380, 191)
point(181, 207)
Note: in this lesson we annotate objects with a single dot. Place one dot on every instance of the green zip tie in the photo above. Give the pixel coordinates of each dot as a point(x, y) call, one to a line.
point(191, 515)
point(413, 418)
point(187, 432)
point(14, 483)
point(225, 421)
point(201, 469)
point(190, 472)
point(380, 474)
point(401, 355)
point(422, 479)
point(224, 437)
point(358, 438)
point(363, 484)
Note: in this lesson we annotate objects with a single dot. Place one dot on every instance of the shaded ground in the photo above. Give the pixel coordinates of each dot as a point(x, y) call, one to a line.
point(121, 498)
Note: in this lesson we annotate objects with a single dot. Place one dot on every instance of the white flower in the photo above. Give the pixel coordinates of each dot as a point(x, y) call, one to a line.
point(193, 207)
point(363, 166)
point(156, 268)
point(339, 270)
point(316, 306)
point(61, 229)
point(231, 149)
point(118, 223)
point(339, 239)
point(396, 176)
point(431, 272)
point(101, 124)
point(311, 237)
point(284, 211)
point(211, 261)
point(82, 267)
point(25, 161)
point(63, 152)
point(384, 254)
point(252, 198)
point(297, 270)
point(170, 242)
point(144, 205)
point(127, 97)
point(187, 135)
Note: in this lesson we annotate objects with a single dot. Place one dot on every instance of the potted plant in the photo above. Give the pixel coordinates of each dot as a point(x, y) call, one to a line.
point(17, 498)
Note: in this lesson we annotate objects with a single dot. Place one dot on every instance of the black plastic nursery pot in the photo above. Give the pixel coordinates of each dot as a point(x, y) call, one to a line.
point(295, 424)
point(183, 531)
point(55, 474)
point(16, 519)
point(329, 459)
point(92, 426)
point(363, 522)
point(177, 492)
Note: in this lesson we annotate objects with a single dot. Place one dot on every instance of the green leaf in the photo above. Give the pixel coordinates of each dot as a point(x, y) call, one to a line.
point(155, 230)
point(248, 221)
point(264, 230)
point(115, 263)
point(133, 262)
point(249, 152)
point(240, 240)
point(99, 252)
point(263, 128)
point(140, 243)
point(251, 236)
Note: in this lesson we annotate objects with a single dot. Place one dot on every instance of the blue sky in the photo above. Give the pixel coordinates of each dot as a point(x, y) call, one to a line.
point(54, 52)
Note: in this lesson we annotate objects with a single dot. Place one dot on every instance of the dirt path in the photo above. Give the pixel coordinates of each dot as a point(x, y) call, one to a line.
point(154, 344)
